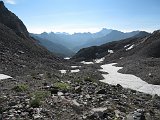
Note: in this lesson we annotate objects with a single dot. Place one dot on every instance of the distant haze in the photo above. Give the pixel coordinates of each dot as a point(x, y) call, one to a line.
point(87, 15)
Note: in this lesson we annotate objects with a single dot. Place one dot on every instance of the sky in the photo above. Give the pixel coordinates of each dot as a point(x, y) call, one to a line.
point(87, 15)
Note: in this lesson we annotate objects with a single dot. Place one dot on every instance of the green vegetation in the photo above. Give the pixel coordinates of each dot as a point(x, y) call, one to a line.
point(62, 86)
point(38, 97)
point(35, 103)
point(21, 88)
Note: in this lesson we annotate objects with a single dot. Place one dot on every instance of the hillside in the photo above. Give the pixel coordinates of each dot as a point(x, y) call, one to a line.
point(10, 20)
point(19, 52)
point(138, 55)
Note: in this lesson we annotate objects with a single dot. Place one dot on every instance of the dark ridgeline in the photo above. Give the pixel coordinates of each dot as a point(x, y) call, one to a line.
point(10, 20)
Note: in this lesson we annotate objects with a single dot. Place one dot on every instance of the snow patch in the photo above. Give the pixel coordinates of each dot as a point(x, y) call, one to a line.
point(21, 52)
point(87, 62)
point(126, 45)
point(110, 51)
point(74, 71)
point(75, 66)
point(127, 80)
point(67, 58)
point(99, 60)
point(130, 47)
point(63, 71)
point(2, 76)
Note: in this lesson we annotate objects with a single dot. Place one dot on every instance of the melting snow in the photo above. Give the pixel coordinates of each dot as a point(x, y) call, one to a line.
point(74, 71)
point(2, 76)
point(127, 80)
point(67, 58)
point(130, 47)
point(99, 60)
point(75, 66)
point(126, 45)
point(110, 51)
point(87, 62)
point(63, 71)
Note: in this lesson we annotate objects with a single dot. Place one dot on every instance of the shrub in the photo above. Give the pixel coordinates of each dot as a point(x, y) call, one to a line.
point(21, 88)
point(38, 97)
point(62, 86)
point(35, 103)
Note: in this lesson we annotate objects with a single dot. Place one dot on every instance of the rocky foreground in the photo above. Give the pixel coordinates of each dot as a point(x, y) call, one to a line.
point(73, 96)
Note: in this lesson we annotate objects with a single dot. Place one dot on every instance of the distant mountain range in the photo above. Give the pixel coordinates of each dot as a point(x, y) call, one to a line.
point(55, 48)
point(72, 41)
point(75, 42)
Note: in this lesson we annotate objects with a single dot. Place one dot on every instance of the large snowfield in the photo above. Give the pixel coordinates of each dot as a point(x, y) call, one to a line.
point(127, 80)
point(2, 76)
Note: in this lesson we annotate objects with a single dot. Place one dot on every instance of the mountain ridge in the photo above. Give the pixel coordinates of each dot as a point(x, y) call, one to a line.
point(55, 48)
point(12, 21)
point(19, 52)
point(77, 41)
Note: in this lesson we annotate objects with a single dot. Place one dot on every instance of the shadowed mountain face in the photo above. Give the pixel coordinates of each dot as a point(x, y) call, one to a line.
point(20, 53)
point(12, 21)
point(151, 47)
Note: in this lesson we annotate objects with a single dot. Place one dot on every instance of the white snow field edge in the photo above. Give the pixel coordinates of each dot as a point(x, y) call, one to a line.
point(94, 61)
point(72, 71)
point(127, 80)
point(87, 63)
point(99, 60)
point(2, 76)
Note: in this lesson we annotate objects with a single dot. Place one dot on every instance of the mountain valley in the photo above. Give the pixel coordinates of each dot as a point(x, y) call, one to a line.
point(37, 83)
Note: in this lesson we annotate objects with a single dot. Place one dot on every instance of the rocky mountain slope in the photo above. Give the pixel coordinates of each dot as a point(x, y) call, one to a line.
point(10, 20)
point(19, 52)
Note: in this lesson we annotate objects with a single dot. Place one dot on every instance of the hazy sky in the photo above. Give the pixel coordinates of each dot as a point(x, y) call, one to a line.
point(87, 15)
